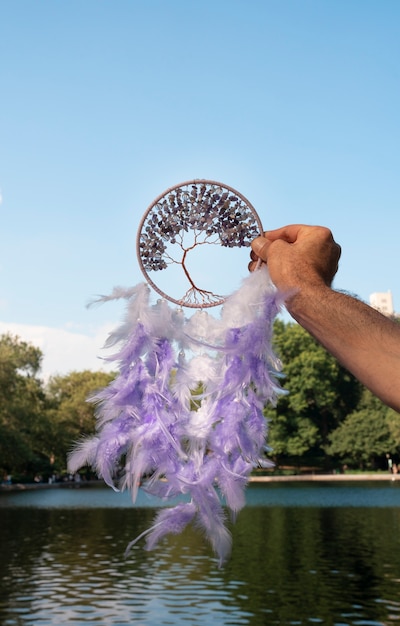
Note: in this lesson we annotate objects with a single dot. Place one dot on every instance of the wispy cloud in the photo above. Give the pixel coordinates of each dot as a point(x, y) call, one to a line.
point(64, 351)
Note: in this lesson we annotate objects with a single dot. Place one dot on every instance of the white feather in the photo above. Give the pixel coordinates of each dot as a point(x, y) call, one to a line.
point(137, 309)
point(201, 421)
point(202, 327)
point(182, 383)
point(241, 307)
point(203, 368)
point(83, 454)
point(166, 322)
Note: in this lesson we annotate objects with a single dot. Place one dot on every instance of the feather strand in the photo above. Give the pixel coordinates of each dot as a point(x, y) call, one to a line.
point(185, 413)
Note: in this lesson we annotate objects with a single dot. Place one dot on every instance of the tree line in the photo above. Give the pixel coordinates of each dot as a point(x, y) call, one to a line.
point(324, 419)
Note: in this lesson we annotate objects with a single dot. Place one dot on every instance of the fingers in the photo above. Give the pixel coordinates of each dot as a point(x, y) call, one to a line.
point(259, 248)
point(297, 243)
point(253, 265)
point(287, 233)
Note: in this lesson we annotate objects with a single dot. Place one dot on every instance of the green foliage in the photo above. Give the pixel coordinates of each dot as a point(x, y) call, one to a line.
point(326, 417)
point(71, 415)
point(38, 423)
point(320, 394)
point(366, 434)
point(393, 422)
point(22, 405)
point(290, 438)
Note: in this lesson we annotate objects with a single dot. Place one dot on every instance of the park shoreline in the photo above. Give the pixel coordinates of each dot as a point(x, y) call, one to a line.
point(287, 478)
point(325, 478)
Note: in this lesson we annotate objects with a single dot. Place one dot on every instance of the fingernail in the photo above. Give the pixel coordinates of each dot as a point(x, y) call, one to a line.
point(257, 244)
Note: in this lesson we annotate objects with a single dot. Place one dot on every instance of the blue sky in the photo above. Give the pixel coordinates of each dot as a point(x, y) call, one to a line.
point(104, 104)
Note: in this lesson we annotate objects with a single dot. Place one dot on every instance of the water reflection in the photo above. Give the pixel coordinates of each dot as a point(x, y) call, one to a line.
point(333, 566)
point(290, 564)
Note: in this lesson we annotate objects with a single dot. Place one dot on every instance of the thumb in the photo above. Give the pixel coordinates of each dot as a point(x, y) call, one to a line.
point(260, 246)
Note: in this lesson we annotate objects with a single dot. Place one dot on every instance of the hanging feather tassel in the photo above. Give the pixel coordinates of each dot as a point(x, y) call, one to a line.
point(185, 413)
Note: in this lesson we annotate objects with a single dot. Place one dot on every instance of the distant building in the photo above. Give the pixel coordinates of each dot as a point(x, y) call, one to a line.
point(383, 302)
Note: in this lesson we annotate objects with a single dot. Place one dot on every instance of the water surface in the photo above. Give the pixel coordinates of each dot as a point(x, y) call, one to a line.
point(302, 554)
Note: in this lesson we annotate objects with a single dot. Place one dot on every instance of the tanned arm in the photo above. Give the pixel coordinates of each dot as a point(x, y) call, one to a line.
point(302, 262)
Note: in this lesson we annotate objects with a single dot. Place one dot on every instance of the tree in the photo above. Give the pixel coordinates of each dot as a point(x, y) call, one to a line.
point(71, 415)
point(366, 434)
point(393, 421)
point(23, 427)
point(320, 395)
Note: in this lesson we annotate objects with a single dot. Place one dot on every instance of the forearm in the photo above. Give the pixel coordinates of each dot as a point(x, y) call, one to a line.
point(362, 340)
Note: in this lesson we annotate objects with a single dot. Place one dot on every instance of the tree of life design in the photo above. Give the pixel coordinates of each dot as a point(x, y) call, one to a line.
point(190, 215)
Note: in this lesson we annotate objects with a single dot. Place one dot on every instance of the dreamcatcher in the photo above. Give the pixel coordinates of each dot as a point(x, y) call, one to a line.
point(184, 417)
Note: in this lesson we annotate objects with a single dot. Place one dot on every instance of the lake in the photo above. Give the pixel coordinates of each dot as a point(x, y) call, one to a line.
point(303, 553)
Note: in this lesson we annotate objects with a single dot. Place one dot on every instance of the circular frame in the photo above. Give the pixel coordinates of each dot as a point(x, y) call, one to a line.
point(204, 207)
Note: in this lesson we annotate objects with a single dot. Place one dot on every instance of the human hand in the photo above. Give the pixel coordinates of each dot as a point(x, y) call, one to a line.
point(297, 256)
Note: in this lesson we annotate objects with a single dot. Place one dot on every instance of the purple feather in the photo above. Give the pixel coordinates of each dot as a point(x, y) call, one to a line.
point(170, 521)
point(151, 431)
